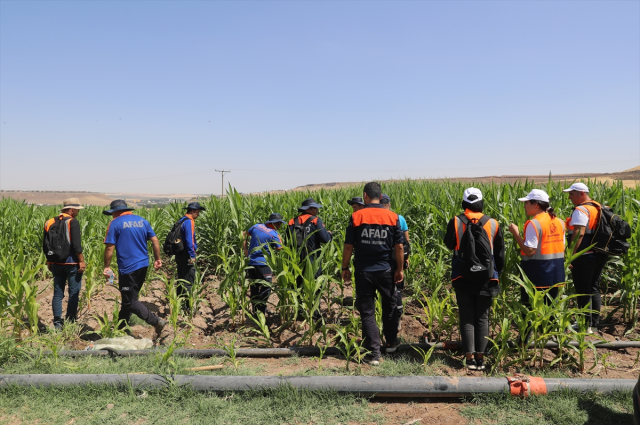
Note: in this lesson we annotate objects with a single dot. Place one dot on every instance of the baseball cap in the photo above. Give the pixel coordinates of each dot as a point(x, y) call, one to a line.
point(536, 195)
point(472, 191)
point(580, 187)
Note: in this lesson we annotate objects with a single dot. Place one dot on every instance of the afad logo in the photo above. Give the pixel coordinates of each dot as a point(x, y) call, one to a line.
point(553, 228)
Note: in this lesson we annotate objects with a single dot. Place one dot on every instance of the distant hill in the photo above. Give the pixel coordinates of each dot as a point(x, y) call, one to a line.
point(56, 198)
point(630, 178)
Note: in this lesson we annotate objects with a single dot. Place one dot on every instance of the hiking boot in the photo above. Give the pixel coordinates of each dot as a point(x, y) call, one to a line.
point(160, 326)
point(392, 347)
point(57, 323)
point(371, 360)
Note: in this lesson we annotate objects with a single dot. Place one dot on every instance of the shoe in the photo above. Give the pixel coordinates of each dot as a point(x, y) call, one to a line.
point(160, 326)
point(371, 360)
point(479, 364)
point(392, 347)
point(471, 364)
point(589, 330)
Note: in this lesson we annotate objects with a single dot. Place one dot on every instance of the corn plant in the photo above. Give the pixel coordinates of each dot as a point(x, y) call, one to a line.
point(111, 327)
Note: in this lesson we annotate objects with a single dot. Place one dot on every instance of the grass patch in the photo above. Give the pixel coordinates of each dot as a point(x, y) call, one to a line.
point(565, 408)
point(111, 405)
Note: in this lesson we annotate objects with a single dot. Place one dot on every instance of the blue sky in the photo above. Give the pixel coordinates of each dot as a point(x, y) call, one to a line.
point(153, 96)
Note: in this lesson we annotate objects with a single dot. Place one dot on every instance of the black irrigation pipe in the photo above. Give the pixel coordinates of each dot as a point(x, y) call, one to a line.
point(381, 386)
point(305, 351)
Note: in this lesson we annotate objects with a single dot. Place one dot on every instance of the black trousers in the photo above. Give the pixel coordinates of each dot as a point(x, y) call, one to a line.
point(586, 272)
point(367, 286)
point(259, 292)
point(187, 272)
point(474, 320)
point(130, 285)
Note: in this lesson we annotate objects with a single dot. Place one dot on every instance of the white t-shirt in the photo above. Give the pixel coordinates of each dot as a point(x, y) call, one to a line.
point(530, 236)
point(579, 218)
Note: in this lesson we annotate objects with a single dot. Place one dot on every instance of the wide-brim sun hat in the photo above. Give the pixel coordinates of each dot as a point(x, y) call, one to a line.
point(472, 191)
point(194, 206)
point(274, 218)
point(536, 195)
point(117, 205)
point(579, 187)
point(72, 203)
point(355, 200)
point(309, 203)
point(384, 199)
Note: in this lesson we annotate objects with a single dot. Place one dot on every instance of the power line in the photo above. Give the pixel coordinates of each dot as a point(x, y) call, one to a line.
point(379, 170)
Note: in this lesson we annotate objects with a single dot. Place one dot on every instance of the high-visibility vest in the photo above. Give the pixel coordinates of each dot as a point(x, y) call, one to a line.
point(545, 267)
point(592, 213)
point(491, 227)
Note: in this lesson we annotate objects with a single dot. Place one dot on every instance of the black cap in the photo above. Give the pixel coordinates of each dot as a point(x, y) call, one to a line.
point(195, 206)
point(117, 205)
point(384, 199)
point(274, 218)
point(355, 200)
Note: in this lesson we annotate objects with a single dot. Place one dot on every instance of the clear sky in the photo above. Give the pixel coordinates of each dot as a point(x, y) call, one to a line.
point(153, 96)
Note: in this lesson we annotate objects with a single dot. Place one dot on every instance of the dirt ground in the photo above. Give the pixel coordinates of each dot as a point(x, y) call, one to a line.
point(212, 325)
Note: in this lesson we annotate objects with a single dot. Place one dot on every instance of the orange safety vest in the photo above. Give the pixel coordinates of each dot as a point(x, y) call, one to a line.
point(594, 216)
point(491, 227)
point(545, 267)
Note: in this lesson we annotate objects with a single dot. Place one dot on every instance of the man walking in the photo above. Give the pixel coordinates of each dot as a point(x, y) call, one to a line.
point(262, 238)
point(186, 259)
point(70, 265)
point(586, 269)
point(385, 201)
point(374, 232)
point(128, 234)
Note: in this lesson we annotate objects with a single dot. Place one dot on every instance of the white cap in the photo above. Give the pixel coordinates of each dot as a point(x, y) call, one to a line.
point(472, 191)
point(580, 187)
point(536, 195)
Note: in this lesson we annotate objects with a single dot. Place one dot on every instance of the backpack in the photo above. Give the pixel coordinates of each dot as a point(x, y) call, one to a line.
point(173, 243)
point(475, 256)
point(611, 232)
point(57, 241)
point(300, 232)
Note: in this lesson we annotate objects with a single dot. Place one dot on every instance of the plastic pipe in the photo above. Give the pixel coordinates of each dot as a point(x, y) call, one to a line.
point(381, 386)
point(307, 351)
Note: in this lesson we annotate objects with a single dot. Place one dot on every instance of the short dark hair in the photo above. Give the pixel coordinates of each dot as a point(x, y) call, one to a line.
point(190, 211)
point(373, 190)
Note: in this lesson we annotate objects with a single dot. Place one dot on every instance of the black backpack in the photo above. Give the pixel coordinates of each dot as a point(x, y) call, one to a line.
point(611, 232)
point(474, 255)
point(300, 232)
point(173, 243)
point(57, 241)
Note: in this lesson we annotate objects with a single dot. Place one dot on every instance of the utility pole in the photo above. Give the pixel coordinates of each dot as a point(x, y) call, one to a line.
point(222, 172)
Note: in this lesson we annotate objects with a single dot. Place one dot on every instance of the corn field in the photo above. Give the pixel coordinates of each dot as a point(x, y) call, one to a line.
point(427, 207)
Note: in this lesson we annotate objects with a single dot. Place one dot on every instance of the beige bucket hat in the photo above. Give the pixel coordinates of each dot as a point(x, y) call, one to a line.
point(72, 203)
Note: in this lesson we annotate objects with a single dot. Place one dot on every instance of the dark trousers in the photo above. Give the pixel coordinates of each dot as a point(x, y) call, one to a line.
point(65, 275)
point(187, 272)
point(367, 284)
point(586, 273)
point(259, 292)
point(130, 285)
point(474, 320)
